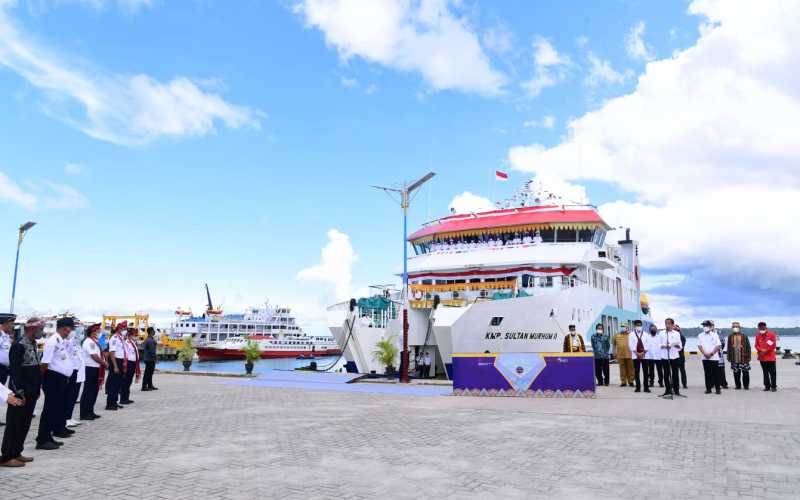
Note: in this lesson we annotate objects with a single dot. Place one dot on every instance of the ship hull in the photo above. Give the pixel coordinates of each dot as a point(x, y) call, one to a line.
point(214, 354)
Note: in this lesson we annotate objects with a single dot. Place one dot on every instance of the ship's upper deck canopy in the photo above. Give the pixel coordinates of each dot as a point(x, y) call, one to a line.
point(509, 221)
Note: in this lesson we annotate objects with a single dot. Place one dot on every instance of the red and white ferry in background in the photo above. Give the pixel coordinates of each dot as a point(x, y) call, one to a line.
point(273, 328)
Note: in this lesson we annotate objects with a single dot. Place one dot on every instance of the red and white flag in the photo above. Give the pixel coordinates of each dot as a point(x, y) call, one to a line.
point(500, 175)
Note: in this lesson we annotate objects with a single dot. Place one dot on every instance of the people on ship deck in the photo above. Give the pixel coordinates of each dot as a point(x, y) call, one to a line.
point(638, 346)
point(739, 354)
point(573, 342)
point(601, 347)
point(622, 353)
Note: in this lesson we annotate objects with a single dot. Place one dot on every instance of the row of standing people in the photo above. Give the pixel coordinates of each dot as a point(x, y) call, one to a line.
point(641, 355)
point(66, 365)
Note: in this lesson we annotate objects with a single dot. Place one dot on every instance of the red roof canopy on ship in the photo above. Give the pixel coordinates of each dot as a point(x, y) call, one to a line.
point(509, 218)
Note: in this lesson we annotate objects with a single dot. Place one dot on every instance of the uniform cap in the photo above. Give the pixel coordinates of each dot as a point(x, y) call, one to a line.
point(707, 322)
point(6, 317)
point(67, 322)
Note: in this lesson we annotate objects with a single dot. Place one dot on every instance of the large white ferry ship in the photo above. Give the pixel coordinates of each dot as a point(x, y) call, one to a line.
point(506, 280)
point(219, 336)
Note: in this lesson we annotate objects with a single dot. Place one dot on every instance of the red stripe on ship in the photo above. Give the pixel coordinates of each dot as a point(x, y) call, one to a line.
point(211, 354)
point(563, 270)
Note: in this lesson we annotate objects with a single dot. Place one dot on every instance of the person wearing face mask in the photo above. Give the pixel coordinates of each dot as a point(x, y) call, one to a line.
point(601, 346)
point(133, 369)
point(25, 382)
point(637, 343)
point(653, 357)
point(622, 352)
point(574, 342)
point(76, 380)
point(739, 356)
point(671, 347)
point(708, 344)
point(57, 369)
point(766, 345)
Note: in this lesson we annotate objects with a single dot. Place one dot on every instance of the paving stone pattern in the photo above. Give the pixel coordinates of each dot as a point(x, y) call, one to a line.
point(201, 437)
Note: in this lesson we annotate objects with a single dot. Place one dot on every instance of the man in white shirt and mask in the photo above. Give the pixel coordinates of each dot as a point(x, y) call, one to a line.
point(708, 344)
point(671, 346)
point(637, 341)
point(654, 357)
point(57, 369)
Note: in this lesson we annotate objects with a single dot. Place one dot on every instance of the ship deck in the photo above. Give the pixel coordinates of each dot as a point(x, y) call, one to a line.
point(203, 437)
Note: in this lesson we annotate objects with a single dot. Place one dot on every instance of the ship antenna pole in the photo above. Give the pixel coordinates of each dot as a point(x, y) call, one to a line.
point(407, 189)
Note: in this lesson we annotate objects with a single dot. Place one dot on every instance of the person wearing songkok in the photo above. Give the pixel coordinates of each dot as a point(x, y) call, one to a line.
point(132, 370)
point(56, 368)
point(709, 345)
point(76, 380)
point(682, 357)
point(637, 343)
point(671, 347)
point(766, 345)
point(95, 370)
point(573, 342)
point(7, 397)
point(739, 354)
point(653, 357)
point(118, 367)
point(622, 352)
point(6, 337)
point(25, 383)
point(149, 357)
point(601, 346)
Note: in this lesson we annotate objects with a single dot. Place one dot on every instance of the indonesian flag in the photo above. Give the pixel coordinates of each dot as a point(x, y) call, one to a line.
point(500, 175)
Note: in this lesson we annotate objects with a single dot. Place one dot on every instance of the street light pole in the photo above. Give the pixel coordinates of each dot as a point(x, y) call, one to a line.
point(405, 200)
point(22, 230)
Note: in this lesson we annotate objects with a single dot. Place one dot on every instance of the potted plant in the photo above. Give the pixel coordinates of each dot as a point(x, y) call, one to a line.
point(386, 352)
point(252, 353)
point(186, 353)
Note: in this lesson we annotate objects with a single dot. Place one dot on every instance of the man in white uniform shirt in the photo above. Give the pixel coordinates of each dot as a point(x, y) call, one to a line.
point(6, 334)
point(57, 369)
point(118, 364)
point(76, 380)
point(708, 344)
point(671, 347)
point(653, 357)
point(132, 358)
point(95, 368)
point(637, 342)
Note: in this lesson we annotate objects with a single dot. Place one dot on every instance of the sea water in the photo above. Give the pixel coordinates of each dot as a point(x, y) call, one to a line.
point(261, 366)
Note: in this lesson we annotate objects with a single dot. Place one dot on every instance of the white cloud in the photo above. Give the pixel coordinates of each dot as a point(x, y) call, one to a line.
point(635, 44)
point(335, 267)
point(547, 121)
point(549, 67)
point(499, 39)
point(348, 82)
point(63, 197)
point(707, 144)
point(423, 36)
point(467, 202)
point(11, 192)
point(651, 281)
point(73, 169)
point(121, 109)
point(601, 72)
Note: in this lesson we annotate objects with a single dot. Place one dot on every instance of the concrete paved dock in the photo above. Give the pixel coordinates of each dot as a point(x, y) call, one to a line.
point(201, 437)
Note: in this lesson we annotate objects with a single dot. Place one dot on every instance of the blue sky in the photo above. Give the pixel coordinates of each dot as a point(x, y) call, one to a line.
point(228, 139)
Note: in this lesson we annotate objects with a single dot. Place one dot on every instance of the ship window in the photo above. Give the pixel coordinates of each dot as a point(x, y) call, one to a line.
point(496, 321)
point(475, 280)
point(567, 236)
point(585, 235)
point(548, 235)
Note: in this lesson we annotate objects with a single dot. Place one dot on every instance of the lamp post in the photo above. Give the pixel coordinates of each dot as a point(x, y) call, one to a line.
point(22, 230)
point(404, 192)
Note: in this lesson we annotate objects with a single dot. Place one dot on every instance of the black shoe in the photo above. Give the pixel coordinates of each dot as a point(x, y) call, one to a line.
point(111, 408)
point(746, 388)
point(718, 391)
point(95, 416)
point(737, 388)
point(68, 431)
point(623, 384)
point(774, 389)
point(48, 445)
point(647, 390)
point(708, 392)
point(766, 389)
point(146, 389)
point(62, 435)
point(154, 388)
point(637, 390)
point(661, 384)
point(126, 402)
point(606, 384)
point(88, 417)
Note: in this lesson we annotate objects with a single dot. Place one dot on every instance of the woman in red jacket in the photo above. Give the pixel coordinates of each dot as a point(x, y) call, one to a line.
point(766, 344)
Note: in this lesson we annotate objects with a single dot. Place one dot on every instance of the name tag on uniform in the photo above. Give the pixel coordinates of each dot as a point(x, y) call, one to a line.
point(769, 342)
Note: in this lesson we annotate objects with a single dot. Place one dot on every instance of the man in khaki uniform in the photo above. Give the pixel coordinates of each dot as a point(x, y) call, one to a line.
point(622, 352)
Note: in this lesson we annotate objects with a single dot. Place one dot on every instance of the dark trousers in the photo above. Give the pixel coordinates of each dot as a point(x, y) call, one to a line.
point(147, 379)
point(51, 420)
point(73, 389)
point(768, 367)
point(127, 380)
point(18, 423)
point(650, 371)
point(640, 367)
point(711, 372)
point(741, 378)
point(113, 384)
point(723, 379)
point(659, 368)
point(671, 369)
point(3, 374)
point(666, 374)
point(682, 370)
point(89, 394)
point(601, 371)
